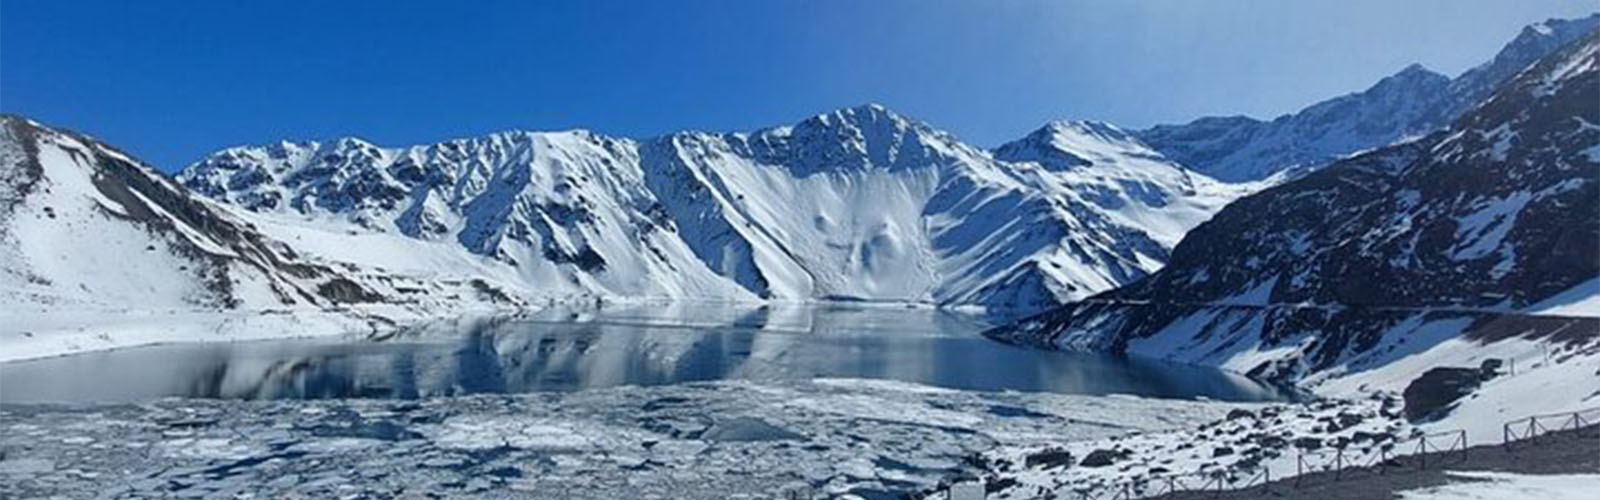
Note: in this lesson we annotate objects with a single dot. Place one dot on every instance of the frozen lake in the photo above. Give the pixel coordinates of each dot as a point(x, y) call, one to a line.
point(647, 345)
point(683, 401)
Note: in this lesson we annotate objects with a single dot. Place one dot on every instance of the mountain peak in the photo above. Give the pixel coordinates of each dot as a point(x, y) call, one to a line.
point(1412, 78)
point(1408, 103)
point(1088, 129)
point(351, 141)
point(1415, 70)
point(870, 108)
point(1556, 27)
point(865, 136)
point(866, 116)
point(1533, 42)
point(1067, 144)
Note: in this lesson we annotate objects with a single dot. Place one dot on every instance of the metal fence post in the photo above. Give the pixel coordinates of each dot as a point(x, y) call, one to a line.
point(1266, 473)
point(1338, 464)
point(1299, 469)
point(1422, 452)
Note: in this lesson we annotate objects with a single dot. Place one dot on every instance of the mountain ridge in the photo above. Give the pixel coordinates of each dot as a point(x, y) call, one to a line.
point(1469, 232)
point(1411, 102)
point(859, 203)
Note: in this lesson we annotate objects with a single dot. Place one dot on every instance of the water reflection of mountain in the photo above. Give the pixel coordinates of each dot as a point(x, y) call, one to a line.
point(647, 344)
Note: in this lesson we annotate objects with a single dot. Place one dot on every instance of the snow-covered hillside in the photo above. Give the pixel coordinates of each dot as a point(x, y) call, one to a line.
point(1408, 104)
point(100, 250)
point(1121, 177)
point(1441, 285)
point(856, 204)
point(1382, 266)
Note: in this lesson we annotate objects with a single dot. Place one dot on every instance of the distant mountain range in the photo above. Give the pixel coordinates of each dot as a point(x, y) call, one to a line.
point(858, 204)
point(1408, 104)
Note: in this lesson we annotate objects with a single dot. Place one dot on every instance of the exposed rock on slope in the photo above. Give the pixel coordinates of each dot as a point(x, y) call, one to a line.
point(97, 248)
point(85, 223)
point(1386, 253)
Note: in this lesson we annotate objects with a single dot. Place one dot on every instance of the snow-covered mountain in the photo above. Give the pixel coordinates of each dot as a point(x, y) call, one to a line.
point(85, 227)
point(1410, 103)
point(1475, 233)
point(1122, 178)
point(856, 204)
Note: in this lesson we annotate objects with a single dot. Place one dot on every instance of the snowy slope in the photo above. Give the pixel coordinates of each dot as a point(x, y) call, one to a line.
point(1474, 247)
point(1408, 104)
point(86, 225)
point(1472, 235)
point(1117, 175)
point(1501, 485)
point(100, 250)
point(855, 204)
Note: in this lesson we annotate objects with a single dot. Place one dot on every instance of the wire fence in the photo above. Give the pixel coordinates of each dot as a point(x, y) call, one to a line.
point(1412, 454)
point(1215, 482)
point(1416, 453)
point(1532, 429)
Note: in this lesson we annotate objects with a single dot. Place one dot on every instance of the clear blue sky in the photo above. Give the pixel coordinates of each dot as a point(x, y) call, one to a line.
point(171, 81)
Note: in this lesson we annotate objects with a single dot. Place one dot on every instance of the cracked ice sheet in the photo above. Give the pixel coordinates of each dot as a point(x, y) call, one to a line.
point(703, 440)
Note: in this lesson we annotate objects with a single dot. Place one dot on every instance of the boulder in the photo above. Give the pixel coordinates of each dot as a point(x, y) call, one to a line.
point(1373, 437)
point(1049, 458)
point(1490, 368)
point(1308, 443)
point(1100, 458)
point(1272, 442)
point(1437, 389)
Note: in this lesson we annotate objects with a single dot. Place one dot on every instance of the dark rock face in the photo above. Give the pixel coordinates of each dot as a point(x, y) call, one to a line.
point(1437, 389)
point(1454, 230)
point(340, 290)
point(17, 183)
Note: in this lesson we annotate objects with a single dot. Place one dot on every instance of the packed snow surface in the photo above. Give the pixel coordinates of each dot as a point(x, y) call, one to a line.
point(1506, 486)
